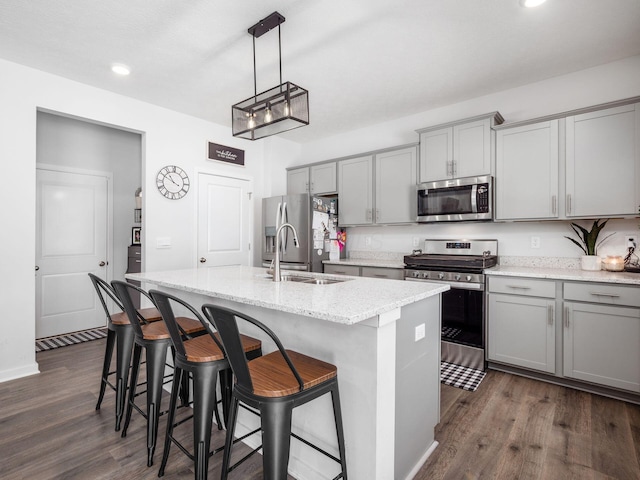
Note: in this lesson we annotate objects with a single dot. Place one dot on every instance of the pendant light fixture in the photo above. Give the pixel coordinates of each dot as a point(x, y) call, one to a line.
point(276, 110)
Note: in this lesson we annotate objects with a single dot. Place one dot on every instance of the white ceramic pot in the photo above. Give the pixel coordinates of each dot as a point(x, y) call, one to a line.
point(590, 262)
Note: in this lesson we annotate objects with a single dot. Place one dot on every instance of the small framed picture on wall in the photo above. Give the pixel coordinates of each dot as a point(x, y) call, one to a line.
point(136, 233)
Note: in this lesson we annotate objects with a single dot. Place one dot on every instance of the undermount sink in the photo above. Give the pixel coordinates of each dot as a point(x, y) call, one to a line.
point(312, 280)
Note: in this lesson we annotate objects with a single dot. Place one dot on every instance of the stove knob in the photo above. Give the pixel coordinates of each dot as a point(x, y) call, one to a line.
point(425, 274)
point(456, 277)
point(468, 278)
point(441, 275)
point(415, 274)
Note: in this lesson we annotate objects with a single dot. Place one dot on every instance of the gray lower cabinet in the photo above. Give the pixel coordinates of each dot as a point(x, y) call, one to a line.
point(372, 272)
point(602, 338)
point(134, 265)
point(521, 326)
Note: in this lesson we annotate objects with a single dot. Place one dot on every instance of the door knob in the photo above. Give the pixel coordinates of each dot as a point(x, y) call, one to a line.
point(37, 268)
point(102, 264)
point(202, 259)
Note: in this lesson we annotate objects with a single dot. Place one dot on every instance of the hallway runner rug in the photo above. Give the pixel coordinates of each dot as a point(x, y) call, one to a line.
point(50, 343)
point(459, 376)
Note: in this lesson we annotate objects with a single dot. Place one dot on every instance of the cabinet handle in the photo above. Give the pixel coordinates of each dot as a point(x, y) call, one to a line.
point(312, 187)
point(519, 287)
point(369, 214)
point(377, 215)
point(450, 168)
point(306, 187)
point(454, 169)
point(569, 203)
point(553, 204)
point(550, 314)
point(600, 294)
point(566, 317)
point(379, 275)
point(340, 272)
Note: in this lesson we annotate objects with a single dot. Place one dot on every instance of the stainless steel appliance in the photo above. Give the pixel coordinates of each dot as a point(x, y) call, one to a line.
point(460, 264)
point(456, 200)
point(316, 222)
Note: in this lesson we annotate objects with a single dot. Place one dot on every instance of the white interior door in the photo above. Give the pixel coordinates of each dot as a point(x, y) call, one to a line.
point(71, 241)
point(224, 221)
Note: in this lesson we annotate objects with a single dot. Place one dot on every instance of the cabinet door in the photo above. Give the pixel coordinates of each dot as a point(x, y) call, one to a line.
point(396, 177)
point(436, 155)
point(527, 172)
point(298, 181)
point(602, 345)
point(323, 179)
point(355, 190)
point(472, 149)
point(521, 331)
point(603, 162)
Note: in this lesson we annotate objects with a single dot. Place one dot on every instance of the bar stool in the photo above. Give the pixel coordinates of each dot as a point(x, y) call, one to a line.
point(119, 334)
point(155, 339)
point(274, 384)
point(202, 357)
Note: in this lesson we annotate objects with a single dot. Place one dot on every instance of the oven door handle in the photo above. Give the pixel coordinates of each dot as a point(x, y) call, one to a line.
point(460, 285)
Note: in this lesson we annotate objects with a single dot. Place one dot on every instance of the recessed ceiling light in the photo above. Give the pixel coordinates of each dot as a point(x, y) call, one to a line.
point(531, 3)
point(120, 69)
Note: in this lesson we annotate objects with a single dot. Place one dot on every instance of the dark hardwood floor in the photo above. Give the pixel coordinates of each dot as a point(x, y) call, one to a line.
point(510, 428)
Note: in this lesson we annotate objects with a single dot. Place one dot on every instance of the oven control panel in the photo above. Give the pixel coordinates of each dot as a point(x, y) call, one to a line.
point(444, 276)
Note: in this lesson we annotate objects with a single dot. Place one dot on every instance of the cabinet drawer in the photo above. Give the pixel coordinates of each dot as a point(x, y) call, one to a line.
point(342, 269)
point(605, 293)
point(381, 272)
point(135, 251)
point(523, 286)
point(134, 265)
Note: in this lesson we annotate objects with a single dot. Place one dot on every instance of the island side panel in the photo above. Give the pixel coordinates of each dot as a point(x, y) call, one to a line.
point(365, 357)
point(417, 385)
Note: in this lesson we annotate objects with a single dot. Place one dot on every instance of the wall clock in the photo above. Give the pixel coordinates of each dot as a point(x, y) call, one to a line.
point(172, 182)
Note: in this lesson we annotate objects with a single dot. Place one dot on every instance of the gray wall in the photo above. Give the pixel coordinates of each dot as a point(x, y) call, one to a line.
point(73, 143)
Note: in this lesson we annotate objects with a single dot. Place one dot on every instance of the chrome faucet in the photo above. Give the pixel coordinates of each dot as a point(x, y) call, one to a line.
point(276, 267)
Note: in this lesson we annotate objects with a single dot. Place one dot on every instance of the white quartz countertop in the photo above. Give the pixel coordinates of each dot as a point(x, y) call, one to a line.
point(347, 302)
point(566, 274)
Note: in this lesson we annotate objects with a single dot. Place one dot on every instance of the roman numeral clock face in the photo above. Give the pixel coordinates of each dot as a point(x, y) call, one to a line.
point(172, 182)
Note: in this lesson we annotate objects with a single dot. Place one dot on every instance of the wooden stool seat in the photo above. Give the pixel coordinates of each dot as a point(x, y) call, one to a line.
point(149, 314)
point(205, 349)
point(158, 330)
point(272, 377)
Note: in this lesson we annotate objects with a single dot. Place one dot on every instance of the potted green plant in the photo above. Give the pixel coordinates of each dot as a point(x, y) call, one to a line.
point(588, 243)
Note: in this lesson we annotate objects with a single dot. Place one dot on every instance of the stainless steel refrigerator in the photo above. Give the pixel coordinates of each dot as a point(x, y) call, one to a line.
point(316, 222)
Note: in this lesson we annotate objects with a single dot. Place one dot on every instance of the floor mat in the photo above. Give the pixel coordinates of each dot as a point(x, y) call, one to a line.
point(459, 376)
point(50, 343)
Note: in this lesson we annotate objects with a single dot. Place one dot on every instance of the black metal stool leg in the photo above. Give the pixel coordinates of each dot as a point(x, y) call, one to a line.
point(337, 415)
point(135, 371)
point(176, 386)
point(226, 386)
point(231, 428)
point(156, 357)
point(204, 403)
point(276, 439)
point(108, 353)
point(124, 345)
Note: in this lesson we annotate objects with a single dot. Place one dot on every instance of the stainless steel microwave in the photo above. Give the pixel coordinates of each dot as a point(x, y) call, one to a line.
point(456, 200)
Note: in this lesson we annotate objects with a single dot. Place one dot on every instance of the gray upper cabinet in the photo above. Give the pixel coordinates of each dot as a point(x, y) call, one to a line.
point(459, 149)
point(316, 179)
point(526, 184)
point(396, 177)
point(355, 191)
point(603, 162)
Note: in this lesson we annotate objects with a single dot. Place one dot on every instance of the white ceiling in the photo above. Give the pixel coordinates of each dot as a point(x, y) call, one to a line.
point(363, 61)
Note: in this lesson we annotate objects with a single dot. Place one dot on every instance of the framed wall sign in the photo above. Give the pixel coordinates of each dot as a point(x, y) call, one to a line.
point(226, 154)
point(136, 236)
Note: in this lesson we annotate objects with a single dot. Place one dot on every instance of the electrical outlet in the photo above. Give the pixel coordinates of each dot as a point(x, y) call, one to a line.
point(419, 335)
point(632, 241)
point(535, 242)
point(416, 241)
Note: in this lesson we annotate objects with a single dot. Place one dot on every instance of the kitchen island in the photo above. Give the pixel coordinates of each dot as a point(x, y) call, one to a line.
point(384, 337)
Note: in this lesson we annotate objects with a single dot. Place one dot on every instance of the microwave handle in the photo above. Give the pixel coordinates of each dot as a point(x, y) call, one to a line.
point(474, 198)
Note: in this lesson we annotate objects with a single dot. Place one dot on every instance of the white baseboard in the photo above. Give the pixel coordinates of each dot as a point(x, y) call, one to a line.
point(15, 373)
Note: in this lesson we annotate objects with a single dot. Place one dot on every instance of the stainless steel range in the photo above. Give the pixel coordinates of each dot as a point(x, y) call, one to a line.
point(460, 264)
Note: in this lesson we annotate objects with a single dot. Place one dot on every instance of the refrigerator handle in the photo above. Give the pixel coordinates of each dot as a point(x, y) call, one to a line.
point(278, 216)
point(285, 234)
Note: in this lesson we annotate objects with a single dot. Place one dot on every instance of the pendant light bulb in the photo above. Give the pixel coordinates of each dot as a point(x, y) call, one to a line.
point(252, 122)
point(268, 116)
point(286, 109)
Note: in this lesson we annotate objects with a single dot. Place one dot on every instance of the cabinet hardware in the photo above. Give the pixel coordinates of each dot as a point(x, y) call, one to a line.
point(553, 204)
point(203, 260)
point(600, 294)
point(454, 168)
point(102, 264)
point(519, 287)
point(550, 314)
point(306, 187)
point(369, 214)
point(377, 215)
point(566, 317)
point(378, 275)
point(312, 187)
point(37, 268)
point(569, 203)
